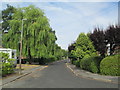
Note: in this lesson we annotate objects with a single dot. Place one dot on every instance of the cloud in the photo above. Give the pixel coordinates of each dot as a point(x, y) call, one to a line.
point(60, 0)
point(69, 19)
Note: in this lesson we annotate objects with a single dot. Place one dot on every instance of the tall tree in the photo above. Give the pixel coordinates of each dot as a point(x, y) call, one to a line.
point(112, 35)
point(83, 47)
point(98, 39)
point(70, 48)
point(6, 16)
point(39, 40)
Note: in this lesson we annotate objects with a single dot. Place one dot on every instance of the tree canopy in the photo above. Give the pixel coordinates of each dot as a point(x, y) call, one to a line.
point(39, 40)
point(101, 38)
point(98, 39)
point(6, 16)
point(82, 47)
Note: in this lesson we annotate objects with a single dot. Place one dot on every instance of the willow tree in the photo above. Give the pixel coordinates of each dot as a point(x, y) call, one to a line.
point(38, 37)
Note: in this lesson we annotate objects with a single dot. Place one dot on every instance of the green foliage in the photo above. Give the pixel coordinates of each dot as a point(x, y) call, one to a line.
point(7, 64)
point(91, 64)
point(39, 40)
point(7, 68)
point(4, 56)
point(77, 63)
point(72, 56)
point(83, 47)
point(74, 62)
point(110, 65)
point(70, 48)
point(6, 16)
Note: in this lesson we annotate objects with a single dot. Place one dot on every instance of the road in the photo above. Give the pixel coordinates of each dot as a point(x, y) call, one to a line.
point(57, 75)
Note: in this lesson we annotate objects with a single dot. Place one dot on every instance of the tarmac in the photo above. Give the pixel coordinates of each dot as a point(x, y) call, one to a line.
point(16, 75)
point(77, 71)
point(86, 74)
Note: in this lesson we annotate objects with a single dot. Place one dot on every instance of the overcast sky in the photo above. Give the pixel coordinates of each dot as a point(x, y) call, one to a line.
point(70, 18)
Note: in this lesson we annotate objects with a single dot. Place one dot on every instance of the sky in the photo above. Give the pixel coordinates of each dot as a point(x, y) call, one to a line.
point(69, 18)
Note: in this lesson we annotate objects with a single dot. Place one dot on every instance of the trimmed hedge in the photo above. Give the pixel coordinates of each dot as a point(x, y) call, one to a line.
point(91, 64)
point(110, 65)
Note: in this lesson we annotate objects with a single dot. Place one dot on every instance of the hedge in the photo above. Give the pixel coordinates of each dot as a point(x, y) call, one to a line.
point(73, 62)
point(76, 62)
point(110, 65)
point(41, 60)
point(91, 64)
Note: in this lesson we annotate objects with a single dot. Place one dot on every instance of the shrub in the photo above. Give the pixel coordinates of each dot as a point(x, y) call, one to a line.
point(91, 64)
point(110, 65)
point(74, 62)
point(49, 59)
point(7, 68)
point(77, 63)
point(7, 64)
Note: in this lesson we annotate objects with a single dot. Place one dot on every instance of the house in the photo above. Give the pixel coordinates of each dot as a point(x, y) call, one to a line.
point(11, 52)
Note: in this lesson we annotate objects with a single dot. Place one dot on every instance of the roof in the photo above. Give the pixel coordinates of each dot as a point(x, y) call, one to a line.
point(7, 49)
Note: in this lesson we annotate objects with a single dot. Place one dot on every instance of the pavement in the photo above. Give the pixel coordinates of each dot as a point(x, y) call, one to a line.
point(86, 74)
point(57, 75)
point(26, 70)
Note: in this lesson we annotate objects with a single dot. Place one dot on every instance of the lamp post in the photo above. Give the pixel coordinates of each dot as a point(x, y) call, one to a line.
point(21, 47)
point(108, 49)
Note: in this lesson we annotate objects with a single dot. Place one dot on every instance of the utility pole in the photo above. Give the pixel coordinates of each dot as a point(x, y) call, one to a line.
point(21, 47)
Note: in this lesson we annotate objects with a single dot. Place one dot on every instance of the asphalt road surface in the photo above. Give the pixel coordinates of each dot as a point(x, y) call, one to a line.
point(57, 75)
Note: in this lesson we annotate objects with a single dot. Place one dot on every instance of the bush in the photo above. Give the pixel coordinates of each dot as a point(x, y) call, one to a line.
point(7, 64)
point(73, 62)
point(7, 68)
point(110, 65)
point(77, 63)
point(49, 59)
point(91, 64)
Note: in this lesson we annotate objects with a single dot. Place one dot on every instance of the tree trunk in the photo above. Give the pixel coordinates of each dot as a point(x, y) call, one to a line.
point(29, 56)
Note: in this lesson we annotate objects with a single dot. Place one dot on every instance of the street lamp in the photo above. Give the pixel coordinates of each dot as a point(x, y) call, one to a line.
point(108, 49)
point(21, 47)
